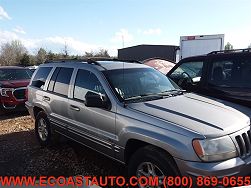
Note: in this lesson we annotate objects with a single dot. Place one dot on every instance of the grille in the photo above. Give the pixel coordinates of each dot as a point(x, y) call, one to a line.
point(19, 94)
point(244, 144)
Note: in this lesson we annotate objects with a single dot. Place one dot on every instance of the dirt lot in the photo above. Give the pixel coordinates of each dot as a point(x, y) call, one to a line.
point(21, 154)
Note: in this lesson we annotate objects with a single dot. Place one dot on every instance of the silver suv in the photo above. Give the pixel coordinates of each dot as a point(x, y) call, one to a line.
point(137, 116)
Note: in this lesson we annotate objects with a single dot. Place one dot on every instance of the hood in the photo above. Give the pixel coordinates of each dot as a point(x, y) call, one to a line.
point(207, 117)
point(14, 83)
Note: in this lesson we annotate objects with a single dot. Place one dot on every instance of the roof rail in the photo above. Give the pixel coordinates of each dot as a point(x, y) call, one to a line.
point(62, 60)
point(93, 60)
point(129, 61)
point(114, 59)
point(230, 51)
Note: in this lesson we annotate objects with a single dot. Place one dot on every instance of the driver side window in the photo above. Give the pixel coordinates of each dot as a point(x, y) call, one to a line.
point(86, 81)
point(188, 71)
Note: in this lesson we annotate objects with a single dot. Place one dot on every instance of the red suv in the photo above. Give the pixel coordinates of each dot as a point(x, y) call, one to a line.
point(13, 83)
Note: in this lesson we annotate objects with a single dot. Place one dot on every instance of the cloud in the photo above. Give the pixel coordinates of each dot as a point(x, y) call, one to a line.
point(54, 43)
point(239, 37)
point(151, 31)
point(4, 14)
point(6, 36)
point(19, 29)
point(76, 45)
point(122, 35)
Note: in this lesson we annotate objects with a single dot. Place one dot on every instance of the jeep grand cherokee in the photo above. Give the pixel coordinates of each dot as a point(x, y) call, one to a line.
point(134, 114)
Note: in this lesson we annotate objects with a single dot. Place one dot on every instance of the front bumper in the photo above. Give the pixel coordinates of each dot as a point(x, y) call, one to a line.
point(13, 99)
point(231, 167)
point(9, 103)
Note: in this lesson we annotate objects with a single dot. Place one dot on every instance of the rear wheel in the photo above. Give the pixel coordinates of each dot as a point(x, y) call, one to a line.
point(43, 129)
point(150, 161)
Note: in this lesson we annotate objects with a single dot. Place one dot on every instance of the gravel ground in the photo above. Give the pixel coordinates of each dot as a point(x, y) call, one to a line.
point(21, 154)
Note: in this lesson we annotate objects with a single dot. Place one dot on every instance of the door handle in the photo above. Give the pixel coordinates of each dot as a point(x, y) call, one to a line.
point(73, 107)
point(45, 98)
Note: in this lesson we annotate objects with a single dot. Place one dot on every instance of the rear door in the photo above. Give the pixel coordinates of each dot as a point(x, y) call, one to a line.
point(229, 78)
point(56, 98)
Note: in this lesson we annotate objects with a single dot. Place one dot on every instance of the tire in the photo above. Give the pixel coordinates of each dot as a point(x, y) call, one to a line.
point(2, 111)
point(43, 130)
point(158, 159)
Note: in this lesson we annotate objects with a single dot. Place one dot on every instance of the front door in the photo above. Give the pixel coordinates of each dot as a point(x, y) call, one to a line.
point(94, 127)
point(188, 75)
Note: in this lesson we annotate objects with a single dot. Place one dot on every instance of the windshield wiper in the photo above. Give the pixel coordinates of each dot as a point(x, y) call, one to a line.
point(172, 92)
point(144, 96)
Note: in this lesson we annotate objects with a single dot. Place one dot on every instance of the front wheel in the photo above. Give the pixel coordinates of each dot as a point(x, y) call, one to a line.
point(150, 161)
point(2, 111)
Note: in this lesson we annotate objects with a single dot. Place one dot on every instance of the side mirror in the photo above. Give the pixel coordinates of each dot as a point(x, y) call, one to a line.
point(97, 100)
point(38, 83)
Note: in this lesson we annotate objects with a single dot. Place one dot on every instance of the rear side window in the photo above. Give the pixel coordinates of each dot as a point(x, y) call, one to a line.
point(231, 73)
point(53, 79)
point(222, 72)
point(86, 81)
point(41, 76)
point(60, 81)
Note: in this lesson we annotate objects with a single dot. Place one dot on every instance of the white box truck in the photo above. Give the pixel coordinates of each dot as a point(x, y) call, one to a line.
point(200, 45)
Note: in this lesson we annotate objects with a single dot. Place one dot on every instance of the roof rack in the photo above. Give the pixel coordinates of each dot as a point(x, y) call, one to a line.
point(114, 59)
point(93, 60)
point(230, 51)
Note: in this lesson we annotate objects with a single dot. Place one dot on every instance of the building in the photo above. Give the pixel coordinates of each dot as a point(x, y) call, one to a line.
point(142, 52)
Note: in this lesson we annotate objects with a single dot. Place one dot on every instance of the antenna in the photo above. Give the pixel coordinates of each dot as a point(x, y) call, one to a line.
point(124, 79)
point(123, 41)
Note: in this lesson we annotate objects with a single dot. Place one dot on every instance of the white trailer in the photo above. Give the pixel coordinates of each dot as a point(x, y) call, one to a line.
point(200, 45)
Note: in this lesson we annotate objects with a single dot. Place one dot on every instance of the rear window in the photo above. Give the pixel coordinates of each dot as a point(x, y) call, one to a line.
point(41, 76)
point(14, 74)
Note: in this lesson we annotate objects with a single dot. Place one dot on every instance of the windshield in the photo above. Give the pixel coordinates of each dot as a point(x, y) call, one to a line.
point(14, 74)
point(130, 83)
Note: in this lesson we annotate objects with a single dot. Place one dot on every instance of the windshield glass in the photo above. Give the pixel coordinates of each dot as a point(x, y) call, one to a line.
point(14, 74)
point(130, 83)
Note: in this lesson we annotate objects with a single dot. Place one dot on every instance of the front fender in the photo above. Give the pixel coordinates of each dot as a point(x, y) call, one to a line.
point(177, 145)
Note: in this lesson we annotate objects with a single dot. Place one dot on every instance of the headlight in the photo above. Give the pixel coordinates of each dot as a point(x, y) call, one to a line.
point(4, 91)
point(215, 149)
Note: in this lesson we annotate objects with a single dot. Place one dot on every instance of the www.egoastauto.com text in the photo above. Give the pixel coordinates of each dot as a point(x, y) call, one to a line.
point(120, 181)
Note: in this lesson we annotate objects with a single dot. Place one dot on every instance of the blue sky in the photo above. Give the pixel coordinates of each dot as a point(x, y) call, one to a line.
point(86, 25)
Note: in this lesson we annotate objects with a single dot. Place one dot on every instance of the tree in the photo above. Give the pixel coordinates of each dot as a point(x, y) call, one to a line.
point(51, 56)
point(12, 52)
point(32, 59)
point(101, 53)
point(229, 46)
point(25, 60)
point(65, 50)
point(89, 54)
point(41, 56)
